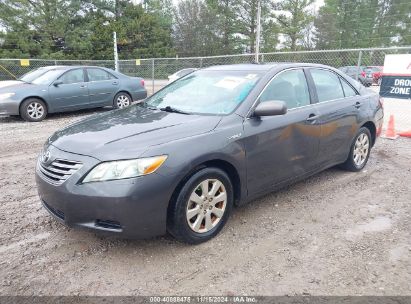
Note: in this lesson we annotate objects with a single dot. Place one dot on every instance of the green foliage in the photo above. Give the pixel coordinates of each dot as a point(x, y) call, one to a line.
point(294, 18)
point(363, 23)
point(83, 29)
point(75, 29)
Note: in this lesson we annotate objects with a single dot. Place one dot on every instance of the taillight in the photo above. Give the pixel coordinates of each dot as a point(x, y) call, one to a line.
point(363, 74)
point(142, 82)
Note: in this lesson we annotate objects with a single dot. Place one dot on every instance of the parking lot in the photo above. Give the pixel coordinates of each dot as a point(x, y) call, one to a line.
point(337, 233)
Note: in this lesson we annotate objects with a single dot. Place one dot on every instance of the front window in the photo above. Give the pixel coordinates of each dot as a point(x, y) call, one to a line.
point(73, 76)
point(290, 87)
point(207, 92)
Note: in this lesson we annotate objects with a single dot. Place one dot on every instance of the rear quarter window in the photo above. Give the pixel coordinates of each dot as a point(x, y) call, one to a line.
point(348, 90)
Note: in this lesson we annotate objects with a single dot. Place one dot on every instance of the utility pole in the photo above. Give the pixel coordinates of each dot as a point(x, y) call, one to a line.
point(115, 51)
point(257, 38)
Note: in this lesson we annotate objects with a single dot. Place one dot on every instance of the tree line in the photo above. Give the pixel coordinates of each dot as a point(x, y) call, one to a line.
point(82, 29)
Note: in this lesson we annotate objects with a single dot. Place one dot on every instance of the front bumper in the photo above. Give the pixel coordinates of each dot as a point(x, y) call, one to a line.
point(132, 208)
point(9, 107)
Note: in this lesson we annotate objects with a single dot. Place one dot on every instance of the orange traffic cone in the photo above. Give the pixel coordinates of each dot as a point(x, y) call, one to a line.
point(390, 133)
point(405, 134)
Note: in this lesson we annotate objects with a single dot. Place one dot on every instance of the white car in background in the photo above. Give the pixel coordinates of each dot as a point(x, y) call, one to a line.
point(180, 74)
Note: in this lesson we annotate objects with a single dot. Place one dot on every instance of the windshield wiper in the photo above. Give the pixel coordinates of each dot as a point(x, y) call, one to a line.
point(173, 110)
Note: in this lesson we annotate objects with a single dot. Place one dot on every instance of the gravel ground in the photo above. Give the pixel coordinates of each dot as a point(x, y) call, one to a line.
point(336, 233)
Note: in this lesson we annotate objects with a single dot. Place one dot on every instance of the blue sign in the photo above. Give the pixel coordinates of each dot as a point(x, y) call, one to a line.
point(396, 86)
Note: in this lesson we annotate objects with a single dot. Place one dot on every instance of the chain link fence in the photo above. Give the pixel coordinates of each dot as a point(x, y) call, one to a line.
point(156, 70)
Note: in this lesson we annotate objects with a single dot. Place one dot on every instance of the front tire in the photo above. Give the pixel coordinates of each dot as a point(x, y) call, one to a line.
point(202, 207)
point(33, 109)
point(359, 152)
point(122, 100)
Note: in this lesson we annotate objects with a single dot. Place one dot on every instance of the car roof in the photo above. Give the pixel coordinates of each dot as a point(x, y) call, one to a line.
point(241, 67)
point(263, 66)
point(68, 67)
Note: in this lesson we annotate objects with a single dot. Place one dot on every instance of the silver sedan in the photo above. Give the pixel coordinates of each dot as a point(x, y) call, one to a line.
point(62, 88)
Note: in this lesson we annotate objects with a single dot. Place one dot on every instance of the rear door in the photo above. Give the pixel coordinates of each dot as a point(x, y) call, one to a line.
point(103, 86)
point(72, 93)
point(338, 104)
point(279, 148)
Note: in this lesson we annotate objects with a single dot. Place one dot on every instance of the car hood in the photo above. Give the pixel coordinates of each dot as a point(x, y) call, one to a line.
point(12, 85)
point(128, 133)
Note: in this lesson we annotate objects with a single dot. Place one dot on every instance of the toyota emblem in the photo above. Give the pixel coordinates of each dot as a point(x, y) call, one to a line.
point(45, 156)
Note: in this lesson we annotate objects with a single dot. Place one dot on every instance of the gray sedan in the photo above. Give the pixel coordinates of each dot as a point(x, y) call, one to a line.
point(216, 138)
point(61, 88)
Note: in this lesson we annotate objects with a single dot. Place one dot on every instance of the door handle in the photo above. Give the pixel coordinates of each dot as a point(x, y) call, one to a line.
point(115, 82)
point(357, 105)
point(313, 117)
point(83, 86)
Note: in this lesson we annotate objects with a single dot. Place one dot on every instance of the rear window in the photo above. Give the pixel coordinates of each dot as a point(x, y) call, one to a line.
point(98, 75)
point(374, 69)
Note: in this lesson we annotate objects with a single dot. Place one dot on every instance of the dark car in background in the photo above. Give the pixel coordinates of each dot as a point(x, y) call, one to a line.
point(67, 88)
point(376, 73)
point(216, 138)
point(362, 74)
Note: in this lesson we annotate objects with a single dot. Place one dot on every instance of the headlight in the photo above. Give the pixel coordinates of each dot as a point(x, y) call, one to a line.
point(124, 169)
point(6, 95)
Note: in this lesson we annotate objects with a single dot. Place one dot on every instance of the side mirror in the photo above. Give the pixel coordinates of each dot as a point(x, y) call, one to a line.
point(57, 83)
point(270, 108)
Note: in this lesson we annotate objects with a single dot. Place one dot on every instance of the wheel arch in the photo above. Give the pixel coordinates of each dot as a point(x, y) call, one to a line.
point(123, 91)
point(37, 97)
point(224, 165)
point(373, 130)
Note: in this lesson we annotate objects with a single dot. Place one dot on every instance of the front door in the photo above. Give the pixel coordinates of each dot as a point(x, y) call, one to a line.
point(280, 148)
point(71, 93)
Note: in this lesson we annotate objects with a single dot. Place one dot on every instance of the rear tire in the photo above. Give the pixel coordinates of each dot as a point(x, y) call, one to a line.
point(33, 110)
point(359, 152)
point(122, 100)
point(202, 207)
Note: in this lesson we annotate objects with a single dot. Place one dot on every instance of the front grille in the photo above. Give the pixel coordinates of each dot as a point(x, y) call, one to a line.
point(59, 170)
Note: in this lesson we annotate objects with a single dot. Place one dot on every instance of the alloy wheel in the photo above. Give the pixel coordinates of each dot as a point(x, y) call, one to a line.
point(123, 101)
point(361, 147)
point(206, 205)
point(35, 110)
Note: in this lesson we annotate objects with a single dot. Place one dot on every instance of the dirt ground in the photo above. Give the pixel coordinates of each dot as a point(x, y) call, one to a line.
point(337, 233)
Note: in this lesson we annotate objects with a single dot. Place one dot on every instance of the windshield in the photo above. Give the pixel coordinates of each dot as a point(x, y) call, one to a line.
point(207, 92)
point(41, 76)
